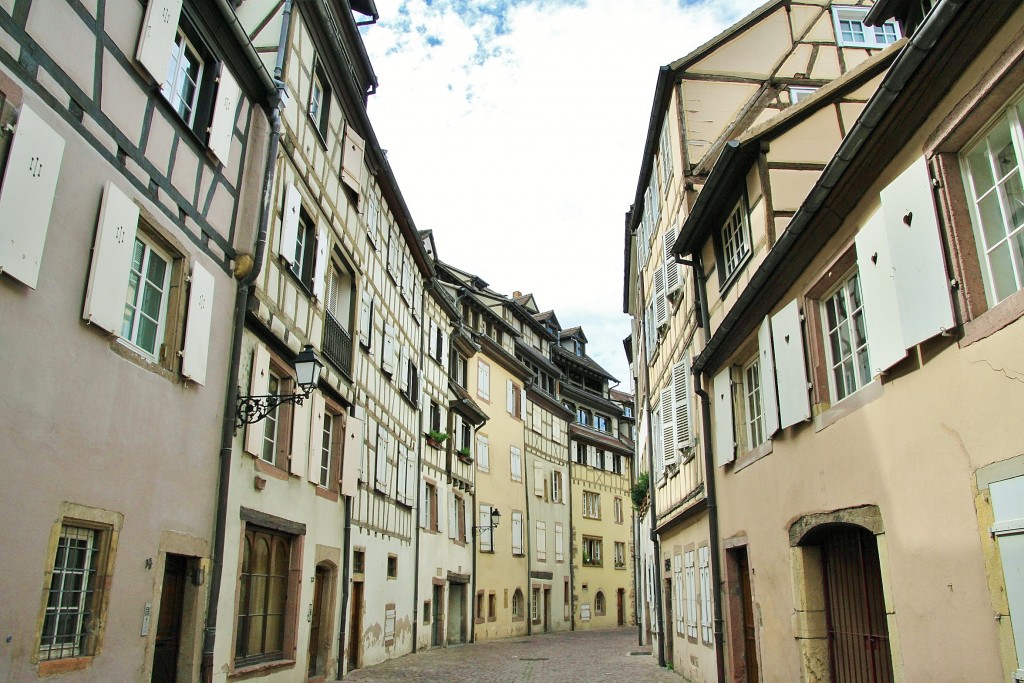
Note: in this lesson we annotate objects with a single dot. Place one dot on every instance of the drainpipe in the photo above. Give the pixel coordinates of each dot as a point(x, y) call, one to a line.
point(526, 541)
point(572, 562)
point(637, 578)
point(419, 492)
point(709, 473)
point(345, 564)
point(245, 280)
point(653, 507)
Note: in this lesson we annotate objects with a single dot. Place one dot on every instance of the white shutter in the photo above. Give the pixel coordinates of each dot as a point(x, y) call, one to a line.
point(517, 463)
point(725, 447)
point(424, 505)
point(467, 512)
point(691, 596)
point(483, 380)
point(483, 456)
point(320, 269)
point(301, 437)
point(159, 29)
point(790, 370)
point(668, 428)
point(486, 534)
point(259, 380)
point(879, 291)
point(660, 303)
point(522, 404)
point(222, 127)
point(352, 161)
point(366, 318)
point(403, 368)
point(681, 392)
point(402, 489)
point(517, 533)
point(441, 506)
point(290, 224)
point(559, 543)
point(26, 198)
point(542, 541)
point(912, 224)
point(671, 267)
point(314, 455)
point(766, 359)
point(388, 351)
point(381, 469)
point(432, 339)
point(444, 349)
point(510, 397)
point(196, 351)
point(678, 604)
point(1008, 512)
point(538, 479)
point(705, 593)
point(410, 476)
point(111, 260)
point(352, 456)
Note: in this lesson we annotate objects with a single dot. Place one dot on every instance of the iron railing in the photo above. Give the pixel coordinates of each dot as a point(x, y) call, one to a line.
point(337, 345)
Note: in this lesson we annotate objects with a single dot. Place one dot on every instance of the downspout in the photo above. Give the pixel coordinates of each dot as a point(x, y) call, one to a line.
point(419, 492)
point(653, 507)
point(637, 578)
point(709, 473)
point(526, 533)
point(572, 562)
point(245, 280)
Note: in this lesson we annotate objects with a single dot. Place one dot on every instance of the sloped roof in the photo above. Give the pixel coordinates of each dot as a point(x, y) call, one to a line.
point(586, 362)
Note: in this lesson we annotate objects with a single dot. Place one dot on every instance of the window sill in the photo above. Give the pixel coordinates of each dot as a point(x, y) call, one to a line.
point(753, 455)
point(54, 667)
point(852, 403)
point(327, 494)
point(1006, 312)
point(254, 670)
point(269, 469)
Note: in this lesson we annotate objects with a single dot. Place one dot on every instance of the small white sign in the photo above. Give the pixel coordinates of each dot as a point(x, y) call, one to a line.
point(145, 618)
point(585, 612)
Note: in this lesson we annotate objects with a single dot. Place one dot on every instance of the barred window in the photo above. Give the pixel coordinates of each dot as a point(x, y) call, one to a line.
point(72, 600)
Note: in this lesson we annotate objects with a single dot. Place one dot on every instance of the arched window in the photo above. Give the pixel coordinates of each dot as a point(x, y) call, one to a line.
point(599, 603)
point(517, 604)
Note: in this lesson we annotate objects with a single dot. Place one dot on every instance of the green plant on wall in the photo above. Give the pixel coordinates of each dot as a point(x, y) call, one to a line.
point(639, 491)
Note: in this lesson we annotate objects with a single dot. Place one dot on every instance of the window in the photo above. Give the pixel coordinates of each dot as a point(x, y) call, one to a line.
point(435, 417)
point(620, 555)
point(184, 84)
point(516, 463)
point(483, 453)
point(428, 513)
point(581, 453)
point(73, 597)
point(392, 566)
point(579, 348)
point(358, 561)
point(145, 308)
point(492, 606)
point(599, 603)
point(411, 380)
point(592, 551)
point(601, 422)
point(319, 100)
point(994, 184)
point(535, 605)
point(479, 609)
point(846, 341)
point(734, 243)
point(852, 32)
point(460, 369)
point(617, 509)
point(665, 156)
point(514, 403)
point(272, 422)
point(304, 250)
point(617, 464)
point(798, 93)
point(331, 429)
point(437, 343)
point(517, 605)
point(263, 596)
point(556, 487)
point(591, 505)
point(583, 416)
point(483, 380)
point(753, 403)
point(337, 298)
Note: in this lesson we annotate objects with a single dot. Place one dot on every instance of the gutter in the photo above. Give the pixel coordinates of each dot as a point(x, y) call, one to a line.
point(906, 64)
point(245, 279)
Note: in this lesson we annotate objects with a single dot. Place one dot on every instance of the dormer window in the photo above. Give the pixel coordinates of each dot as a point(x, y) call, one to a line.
point(578, 347)
point(733, 244)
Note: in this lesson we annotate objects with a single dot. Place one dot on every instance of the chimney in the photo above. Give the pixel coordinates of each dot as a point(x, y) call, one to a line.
point(516, 294)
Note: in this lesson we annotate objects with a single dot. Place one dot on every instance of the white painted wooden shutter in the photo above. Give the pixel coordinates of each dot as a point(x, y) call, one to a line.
point(411, 474)
point(424, 505)
point(381, 469)
point(402, 492)
point(388, 351)
point(668, 428)
point(912, 224)
point(366, 318)
point(290, 224)
point(26, 198)
point(352, 161)
point(681, 394)
point(538, 479)
point(522, 403)
point(766, 358)
point(483, 455)
point(705, 592)
point(196, 351)
point(222, 126)
point(559, 543)
point(159, 29)
point(660, 302)
point(1008, 512)
point(314, 456)
point(879, 291)
point(790, 369)
point(510, 397)
point(453, 517)
point(320, 269)
point(259, 380)
point(486, 534)
point(516, 463)
point(517, 533)
point(299, 458)
point(441, 506)
point(542, 541)
point(352, 457)
point(403, 368)
point(672, 279)
point(467, 516)
point(725, 446)
point(483, 380)
point(691, 595)
point(111, 260)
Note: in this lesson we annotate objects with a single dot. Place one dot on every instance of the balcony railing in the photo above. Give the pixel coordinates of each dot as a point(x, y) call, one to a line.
point(337, 345)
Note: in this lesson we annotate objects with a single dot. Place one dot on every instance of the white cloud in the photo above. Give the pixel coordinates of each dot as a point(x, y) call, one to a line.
point(516, 132)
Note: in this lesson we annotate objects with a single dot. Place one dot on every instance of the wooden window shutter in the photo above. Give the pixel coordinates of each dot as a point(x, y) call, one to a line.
point(26, 201)
point(290, 224)
point(317, 415)
point(352, 456)
point(510, 398)
point(424, 504)
point(486, 533)
point(222, 127)
point(453, 518)
point(878, 288)
point(111, 260)
point(196, 351)
point(538, 479)
point(725, 446)
point(766, 361)
point(322, 260)
point(388, 350)
point(668, 427)
point(790, 369)
point(542, 541)
point(681, 392)
point(403, 368)
point(517, 533)
point(352, 161)
point(672, 279)
point(660, 302)
point(301, 438)
point(159, 29)
point(366, 318)
point(259, 381)
point(381, 469)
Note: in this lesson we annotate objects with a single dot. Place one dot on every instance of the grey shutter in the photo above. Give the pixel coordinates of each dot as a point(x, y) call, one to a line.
point(111, 260)
point(769, 395)
point(26, 198)
point(725, 445)
point(790, 369)
point(196, 351)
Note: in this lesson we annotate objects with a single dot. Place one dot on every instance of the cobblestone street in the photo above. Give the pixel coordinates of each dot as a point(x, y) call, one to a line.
point(584, 656)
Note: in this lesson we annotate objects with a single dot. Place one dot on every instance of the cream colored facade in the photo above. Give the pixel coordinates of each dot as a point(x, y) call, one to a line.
point(863, 445)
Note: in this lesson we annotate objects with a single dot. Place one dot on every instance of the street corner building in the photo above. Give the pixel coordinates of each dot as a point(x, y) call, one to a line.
point(825, 274)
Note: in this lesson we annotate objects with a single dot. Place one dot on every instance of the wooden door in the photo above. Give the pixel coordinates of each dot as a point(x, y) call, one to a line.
point(669, 620)
point(168, 629)
point(747, 610)
point(437, 623)
point(314, 650)
point(355, 633)
point(620, 606)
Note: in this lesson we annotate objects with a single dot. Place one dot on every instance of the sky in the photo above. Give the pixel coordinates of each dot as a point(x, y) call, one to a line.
point(516, 128)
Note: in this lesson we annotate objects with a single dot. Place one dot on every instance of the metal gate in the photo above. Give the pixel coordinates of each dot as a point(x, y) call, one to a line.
point(858, 636)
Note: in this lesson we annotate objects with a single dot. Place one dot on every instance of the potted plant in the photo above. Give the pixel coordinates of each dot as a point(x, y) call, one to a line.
point(464, 454)
point(436, 438)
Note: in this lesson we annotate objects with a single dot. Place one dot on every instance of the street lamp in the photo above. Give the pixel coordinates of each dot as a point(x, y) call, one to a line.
point(252, 409)
point(495, 518)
